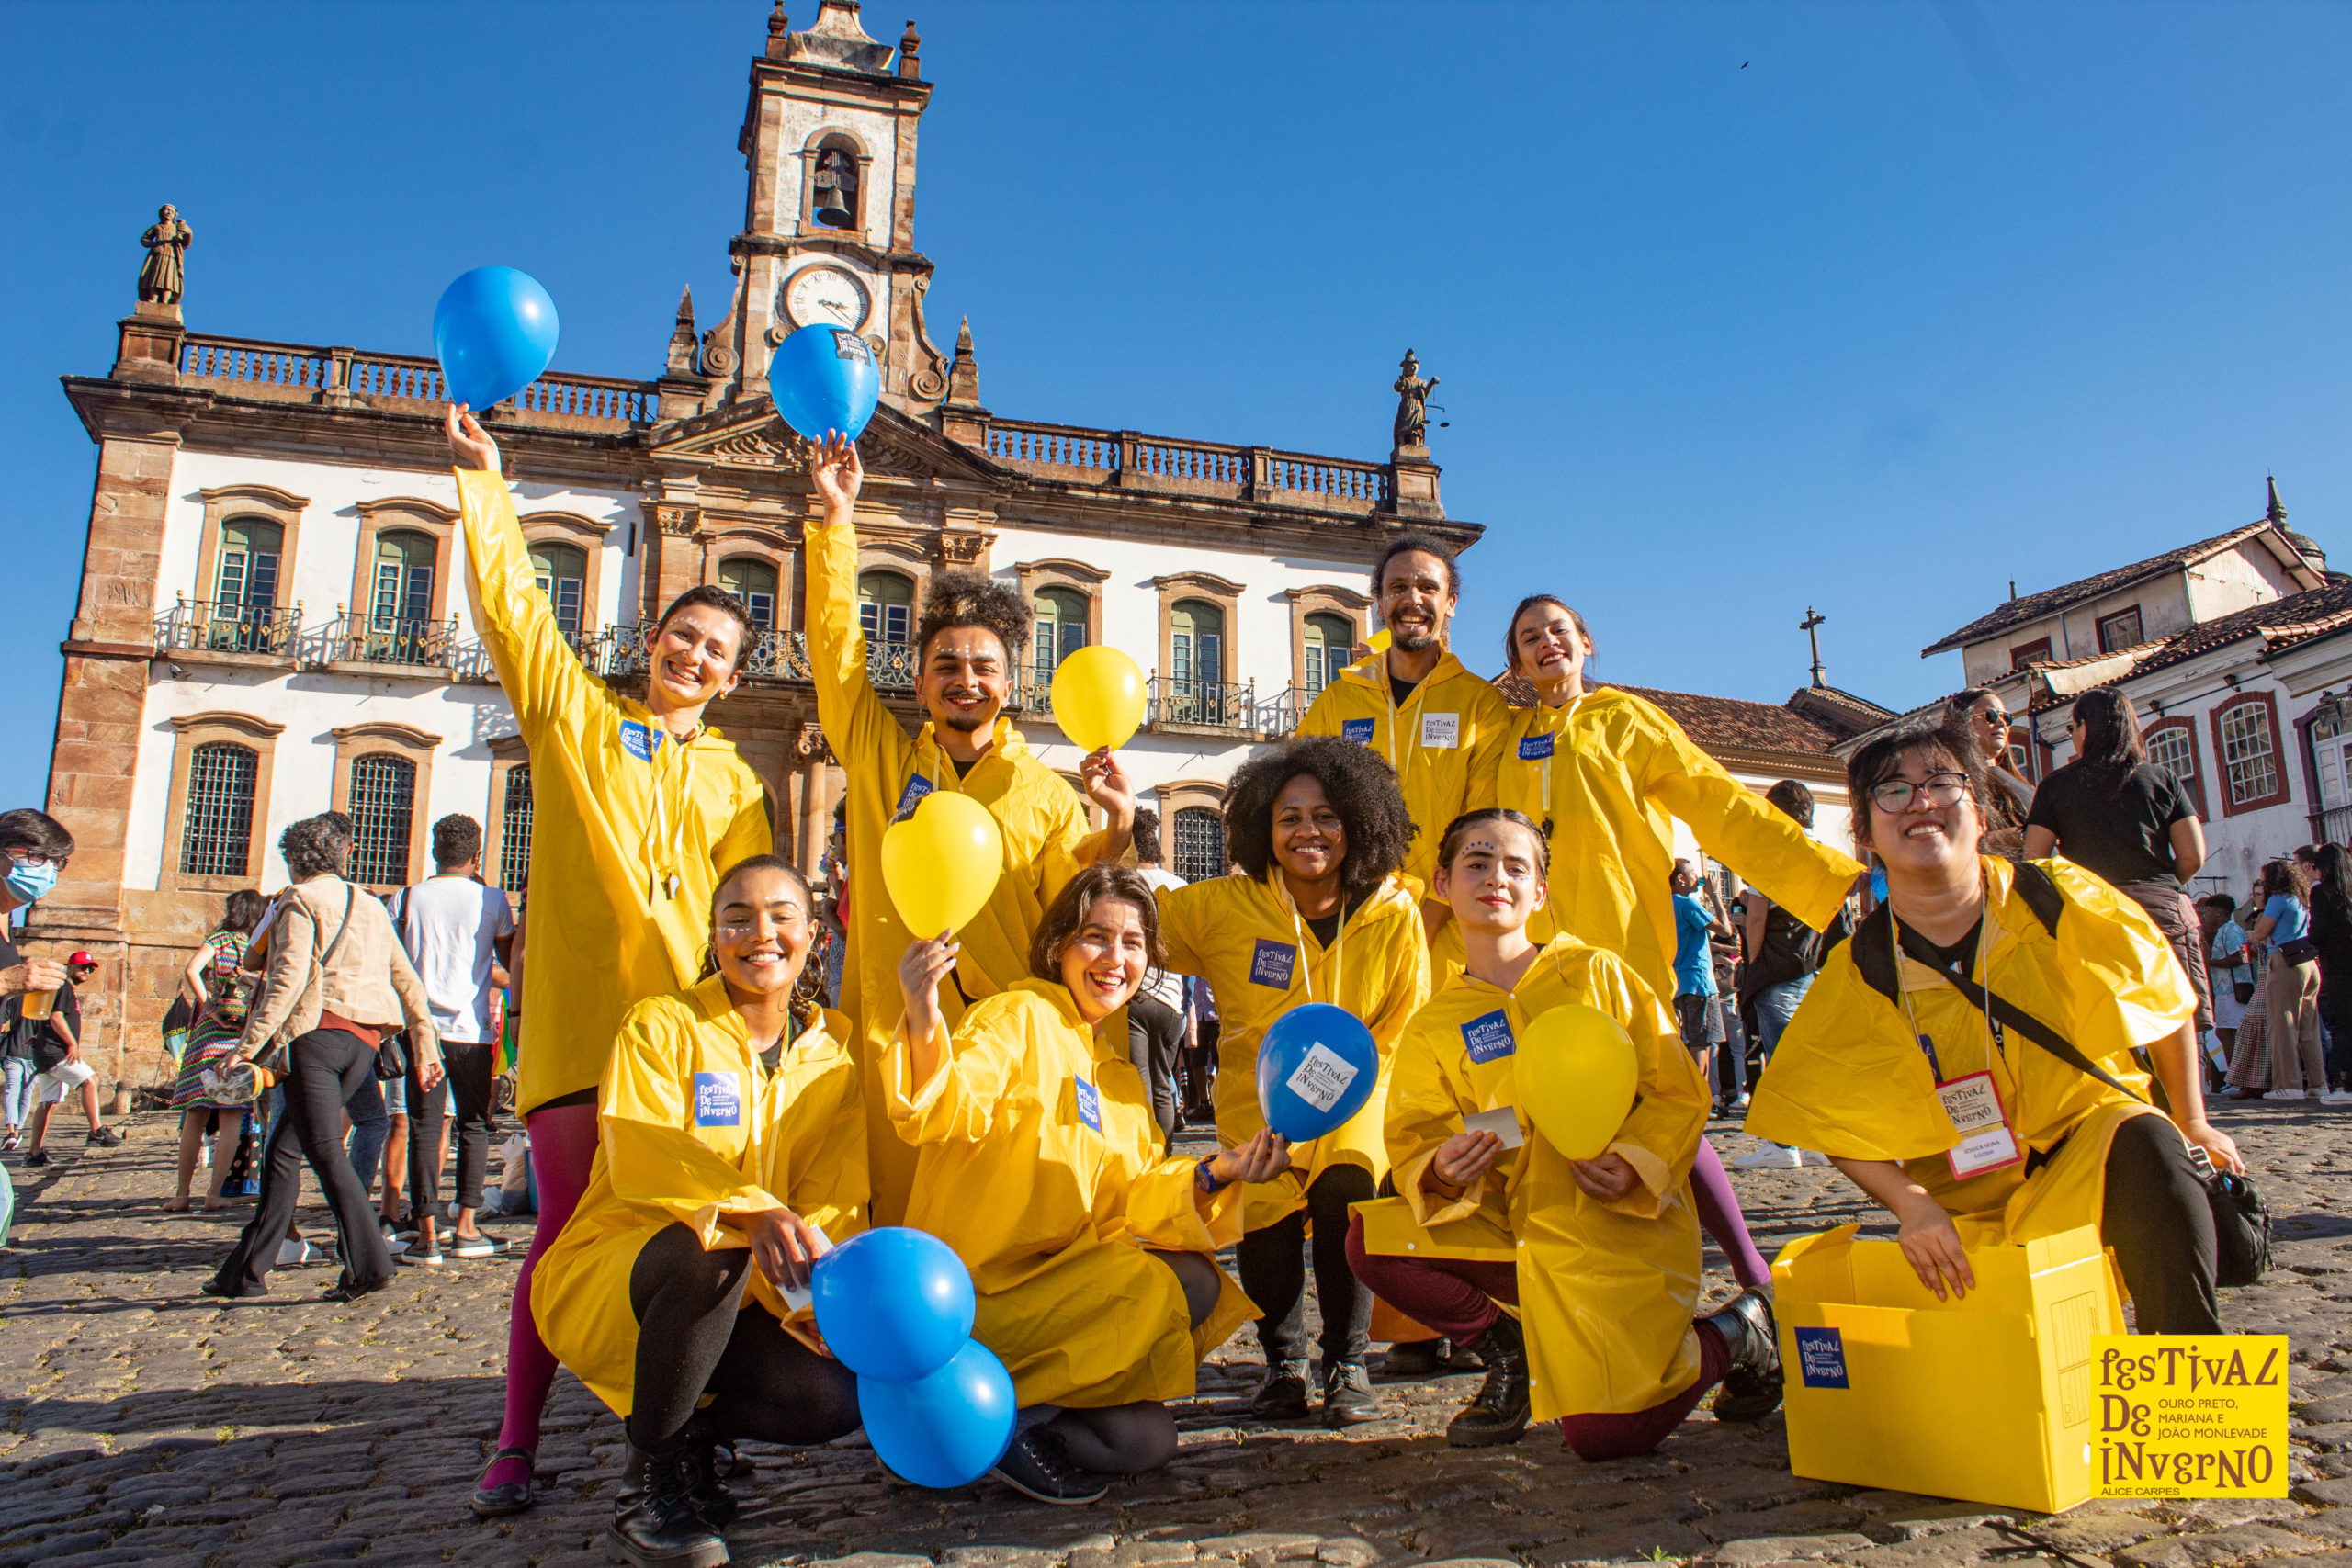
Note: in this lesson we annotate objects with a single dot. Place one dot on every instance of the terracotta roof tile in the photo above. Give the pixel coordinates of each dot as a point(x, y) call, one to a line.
point(2050, 600)
point(2282, 622)
point(1717, 721)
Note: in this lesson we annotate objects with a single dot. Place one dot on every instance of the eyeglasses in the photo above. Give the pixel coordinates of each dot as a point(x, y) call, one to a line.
point(25, 857)
point(1939, 789)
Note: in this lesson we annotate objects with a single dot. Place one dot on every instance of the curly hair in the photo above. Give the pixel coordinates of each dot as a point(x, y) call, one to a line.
point(1066, 916)
point(1361, 788)
point(967, 599)
point(809, 992)
point(2283, 875)
point(457, 838)
point(316, 846)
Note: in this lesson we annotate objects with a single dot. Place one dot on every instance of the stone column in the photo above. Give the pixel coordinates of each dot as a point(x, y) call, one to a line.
point(815, 823)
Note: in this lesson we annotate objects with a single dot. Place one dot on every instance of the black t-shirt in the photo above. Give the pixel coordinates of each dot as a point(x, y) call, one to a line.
point(1960, 955)
point(2123, 834)
point(1400, 692)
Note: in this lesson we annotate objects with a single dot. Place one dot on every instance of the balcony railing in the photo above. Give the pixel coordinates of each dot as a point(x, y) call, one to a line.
point(1217, 704)
point(1280, 714)
point(370, 640)
point(2335, 825)
point(225, 626)
point(1187, 468)
point(286, 372)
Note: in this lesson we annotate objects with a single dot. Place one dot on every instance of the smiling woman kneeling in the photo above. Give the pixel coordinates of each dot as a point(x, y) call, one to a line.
point(732, 1133)
point(1091, 1252)
point(1962, 1124)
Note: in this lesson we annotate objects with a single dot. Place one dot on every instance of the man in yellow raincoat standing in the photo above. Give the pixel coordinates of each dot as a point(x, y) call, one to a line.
point(967, 640)
point(635, 808)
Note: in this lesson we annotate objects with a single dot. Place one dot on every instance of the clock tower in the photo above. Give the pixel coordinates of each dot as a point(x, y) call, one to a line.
point(828, 237)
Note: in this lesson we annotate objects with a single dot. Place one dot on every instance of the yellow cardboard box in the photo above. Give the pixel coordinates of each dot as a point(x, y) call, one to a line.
point(1987, 1398)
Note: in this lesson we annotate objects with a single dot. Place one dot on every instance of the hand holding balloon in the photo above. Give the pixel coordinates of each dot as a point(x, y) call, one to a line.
point(1466, 1158)
point(837, 472)
point(1608, 1178)
point(784, 1245)
point(1106, 786)
point(468, 442)
point(1263, 1158)
point(927, 962)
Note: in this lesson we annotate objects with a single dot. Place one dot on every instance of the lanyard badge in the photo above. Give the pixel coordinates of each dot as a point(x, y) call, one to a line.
point(1972, 1102)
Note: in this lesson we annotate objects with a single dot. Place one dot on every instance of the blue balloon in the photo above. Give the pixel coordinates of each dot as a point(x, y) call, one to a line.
point(825, 379)
point(1316, 1068)
point(494, 331)
point(893, 1304)
point(946, 1429)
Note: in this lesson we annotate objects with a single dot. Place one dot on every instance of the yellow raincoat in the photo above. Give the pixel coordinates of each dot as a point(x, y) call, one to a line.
point(1605, 1289)
point(617, 810)
point(1245, 937)
point(1607, 771)
point(1042, 818)
point(1444, 742)
point(1042, 1166)
point(1850, 1079)
point(694, 1130)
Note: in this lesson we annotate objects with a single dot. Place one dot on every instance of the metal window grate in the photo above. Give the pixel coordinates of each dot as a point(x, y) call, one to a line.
point(219, 815)
point(383, 804)
point(1200, 844)
point(514, 831)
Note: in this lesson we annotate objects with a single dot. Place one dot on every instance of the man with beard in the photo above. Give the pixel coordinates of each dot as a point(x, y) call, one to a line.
point(1438, 724)
point(964, 646)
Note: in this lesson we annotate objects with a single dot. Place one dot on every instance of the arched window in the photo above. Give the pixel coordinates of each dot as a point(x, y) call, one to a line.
point(1061, 626)
point(752, 580)
point(1330, 638)
point(383, 808)
point(402, 590)
point(1196, 646)
point(833, 192)
point(561, 572)
point(247, 572)
point(1199, 844)
point(514, 831)
point(219, 819)
point(885, 606)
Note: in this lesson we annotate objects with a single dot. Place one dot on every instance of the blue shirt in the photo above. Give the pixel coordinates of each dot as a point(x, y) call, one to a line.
point(2293, 919)
point(1694, 964)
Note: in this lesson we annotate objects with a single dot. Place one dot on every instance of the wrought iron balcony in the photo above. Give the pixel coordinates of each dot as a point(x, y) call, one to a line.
point(373, 639)
point(227, 625)
point(1282, 713)
point(1219, 704)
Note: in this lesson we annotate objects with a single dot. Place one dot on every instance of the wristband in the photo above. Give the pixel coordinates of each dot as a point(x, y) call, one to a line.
point(1205, 1178)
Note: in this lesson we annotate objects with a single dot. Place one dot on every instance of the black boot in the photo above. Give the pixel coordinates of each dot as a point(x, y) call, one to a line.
point(1498, 1414)
point(654, 1521)
point(1415, 1358)
point(706, 1472)
point(1751, 1389)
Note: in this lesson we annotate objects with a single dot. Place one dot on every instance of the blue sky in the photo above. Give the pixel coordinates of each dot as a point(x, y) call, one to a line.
point(1739, 308)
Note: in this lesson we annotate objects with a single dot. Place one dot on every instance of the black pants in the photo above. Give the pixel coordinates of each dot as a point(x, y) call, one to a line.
point(1155, 1033)
point(470, 1080)
point(1273, 1273)
point(695, 1336)
point(1199, 1063)
point(2157, 1218)
point(328, 1067)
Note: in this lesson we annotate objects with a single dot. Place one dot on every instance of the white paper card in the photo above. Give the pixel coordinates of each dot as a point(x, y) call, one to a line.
point(1981, 1152)
point(1442, 731)
point(1502, 1121)
point(795, 1300)
point(1322, 1077)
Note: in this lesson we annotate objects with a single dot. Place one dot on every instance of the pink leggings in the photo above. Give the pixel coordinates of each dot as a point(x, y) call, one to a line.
point(563, 1151)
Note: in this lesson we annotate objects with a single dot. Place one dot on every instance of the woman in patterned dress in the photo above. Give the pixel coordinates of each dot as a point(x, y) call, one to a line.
point(223, 992)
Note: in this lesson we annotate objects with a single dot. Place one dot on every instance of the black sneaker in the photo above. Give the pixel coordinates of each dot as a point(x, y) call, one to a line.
point(1499, 1413)
point(1283, 1396)
point(1751, 1386)
point(104, 1138)
point(655, 1523)
point(1348, 1398)
point(39, 1157)
point(1038, 1466)
point(1416, 1358)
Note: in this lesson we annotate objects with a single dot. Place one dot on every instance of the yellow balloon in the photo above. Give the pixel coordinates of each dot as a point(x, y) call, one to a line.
point(941, 864)
point(1098, 698)
point(1577, 1073)
point(1379, 643)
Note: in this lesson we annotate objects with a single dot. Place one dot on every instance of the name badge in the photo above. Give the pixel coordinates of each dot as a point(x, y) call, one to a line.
point(1442, 731)
point(1356, 729)
point(1488, 1037)
point(1273, 964)
point(1090, 1104)
point(1322, 1077)
point(718, 1101)
point(1535, 748)
point(640, 740)
point(1973, 1103)
point(910, 798)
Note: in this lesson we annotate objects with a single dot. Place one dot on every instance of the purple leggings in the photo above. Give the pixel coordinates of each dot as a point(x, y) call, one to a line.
point(563, 1152)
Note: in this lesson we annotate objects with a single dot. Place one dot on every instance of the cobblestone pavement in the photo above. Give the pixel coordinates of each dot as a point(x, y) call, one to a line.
point(140, 1422)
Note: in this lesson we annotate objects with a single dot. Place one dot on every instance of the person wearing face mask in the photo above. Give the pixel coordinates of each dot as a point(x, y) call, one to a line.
point(1439, 727)
point(1319, 914)
point(1982, 1057)
point(1600, 1257)
point(34, 847)
point(1091, 1248)
point(732, 1155)
point(636, 806)
point(966, 643)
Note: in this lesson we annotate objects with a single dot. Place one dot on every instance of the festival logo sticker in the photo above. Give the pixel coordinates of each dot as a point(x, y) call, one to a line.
point(2190, 1414)
point(1356, 729)
point(1273, 964)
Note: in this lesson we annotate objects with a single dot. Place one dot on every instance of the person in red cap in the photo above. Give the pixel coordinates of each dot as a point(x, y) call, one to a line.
point(57, 1053)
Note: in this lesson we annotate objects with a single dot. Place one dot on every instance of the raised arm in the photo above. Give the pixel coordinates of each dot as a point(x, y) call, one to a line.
point(851, 716)
point(535, 662)
point(1745, 831)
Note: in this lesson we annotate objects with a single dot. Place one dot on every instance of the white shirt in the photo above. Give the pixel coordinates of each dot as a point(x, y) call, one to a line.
point(449, 925)
point(1158, 983)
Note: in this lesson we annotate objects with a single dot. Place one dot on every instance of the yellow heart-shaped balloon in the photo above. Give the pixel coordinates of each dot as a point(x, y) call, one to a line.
point(1576, 1077)
point(1098, 698)
point(941, 863)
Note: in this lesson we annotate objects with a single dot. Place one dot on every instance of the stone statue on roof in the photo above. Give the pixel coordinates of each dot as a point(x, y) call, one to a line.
point(1412, 404)
point(163, 277)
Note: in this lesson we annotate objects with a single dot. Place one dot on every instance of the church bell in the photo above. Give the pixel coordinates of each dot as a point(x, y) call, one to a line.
point(833, 211)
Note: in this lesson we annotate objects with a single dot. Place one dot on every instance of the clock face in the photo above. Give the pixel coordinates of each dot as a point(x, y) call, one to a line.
point(825, 296)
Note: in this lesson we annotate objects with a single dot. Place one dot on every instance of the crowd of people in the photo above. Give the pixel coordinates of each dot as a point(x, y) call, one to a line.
point(721, 1076)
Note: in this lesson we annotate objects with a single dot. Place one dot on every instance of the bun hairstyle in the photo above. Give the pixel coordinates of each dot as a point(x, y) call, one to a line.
point(809, 992)
point(1459, 830)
